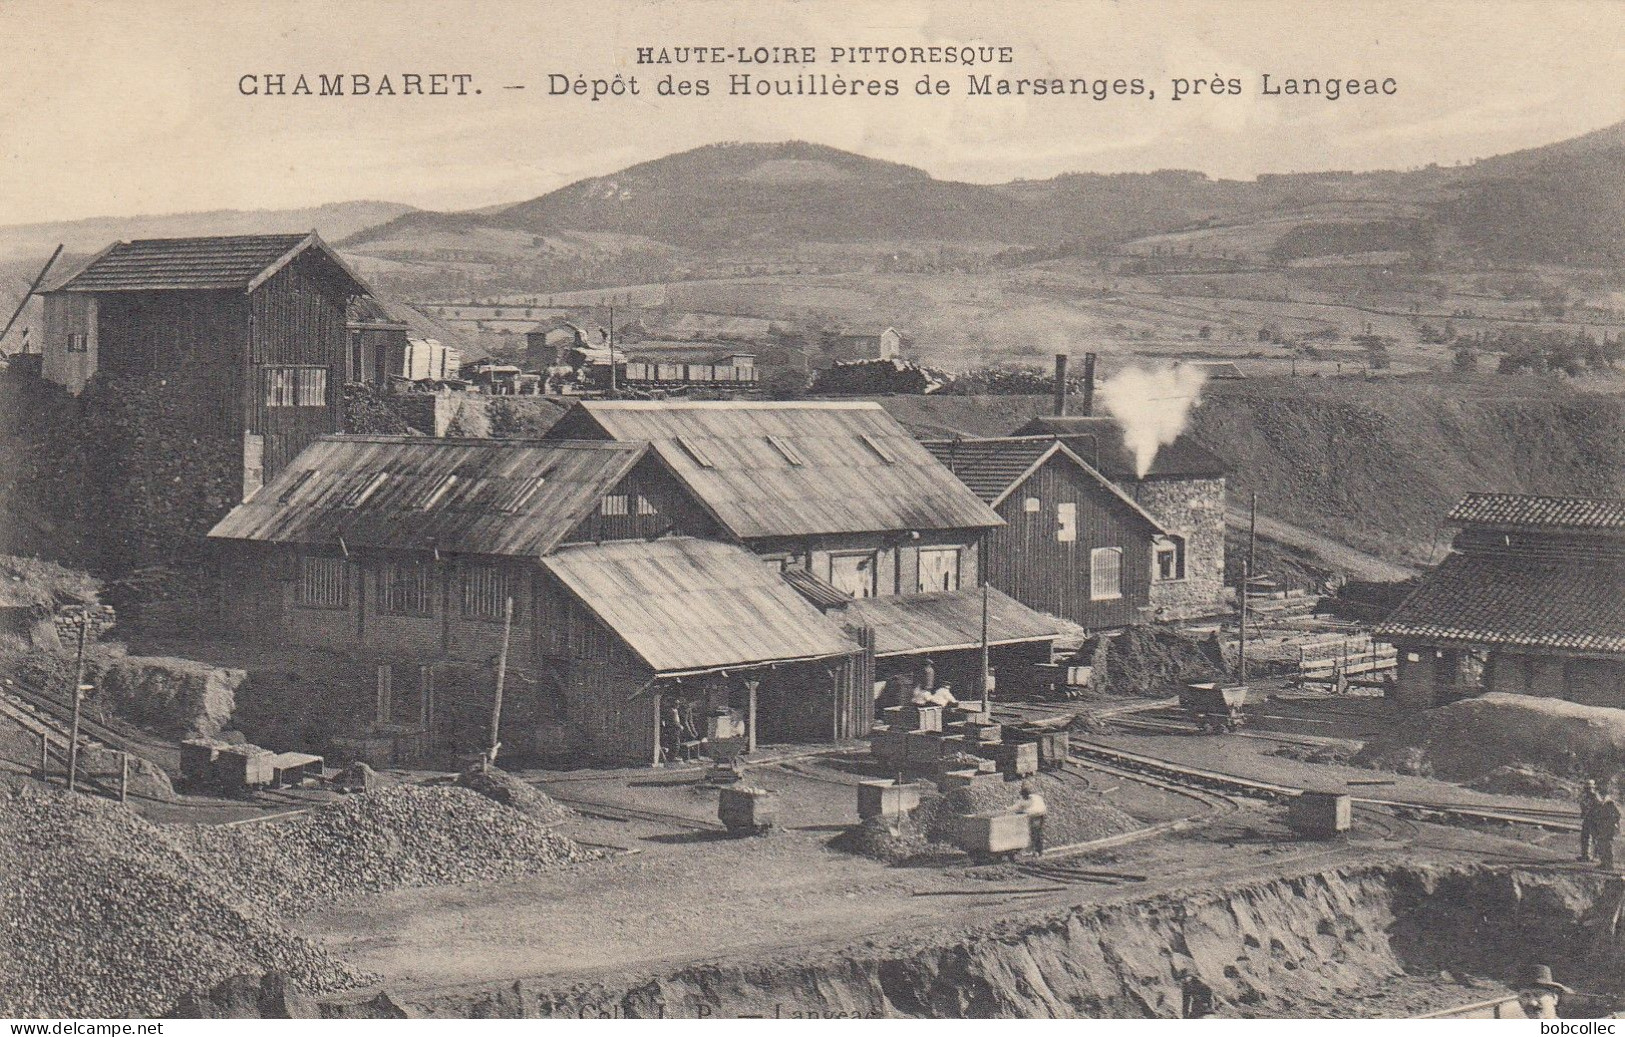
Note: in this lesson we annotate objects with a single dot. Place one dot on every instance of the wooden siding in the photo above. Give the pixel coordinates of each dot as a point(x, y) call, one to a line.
point(897, 559)
point(297, 318)
point(1027, 561)
point(670, 510)
point(68, 314)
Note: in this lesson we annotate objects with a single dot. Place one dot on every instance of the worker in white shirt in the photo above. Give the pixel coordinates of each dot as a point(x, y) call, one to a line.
point(1033, 805)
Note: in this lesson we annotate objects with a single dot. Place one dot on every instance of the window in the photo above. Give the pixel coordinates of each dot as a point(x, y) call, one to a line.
point(1031, 505)
point(879, 448)
point(518, 492)
point(1105, 573)
point(1171, 558)
point(853, 574)
point(324, 583)
point(361, 491)
point(646, 506)
point(298, 484)
point(405, 589)
point(295, 386)
point(1066, 522)
point(613, 504)
point(786, 450)
point(439, 492)
point(939, 569)
point(78, 342)
point(486, 589)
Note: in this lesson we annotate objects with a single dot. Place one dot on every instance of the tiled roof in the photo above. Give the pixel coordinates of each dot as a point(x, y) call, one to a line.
point(792, 469)
point(1517, 602)
point(1099, 440)
point(907, 624)
point(508, 497)
point(992, 468)
point(194, 264)
point(684, 605)
point(1514, 509)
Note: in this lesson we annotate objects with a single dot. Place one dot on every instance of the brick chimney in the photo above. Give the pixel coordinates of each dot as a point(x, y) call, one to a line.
point(1088, 385)
point(1060, 385)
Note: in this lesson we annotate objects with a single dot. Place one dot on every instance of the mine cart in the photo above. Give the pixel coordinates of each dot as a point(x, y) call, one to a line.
point(989, 836)
point(1213, 707)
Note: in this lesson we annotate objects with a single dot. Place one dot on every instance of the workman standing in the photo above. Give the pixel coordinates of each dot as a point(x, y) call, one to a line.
point(1033, 805)
point(1590, 800)
point(928, 677)
point(1604, 827)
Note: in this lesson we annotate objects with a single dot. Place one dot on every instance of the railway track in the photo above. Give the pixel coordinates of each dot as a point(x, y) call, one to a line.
point(59, 715)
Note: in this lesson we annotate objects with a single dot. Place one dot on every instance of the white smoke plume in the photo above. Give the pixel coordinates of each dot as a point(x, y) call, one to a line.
point(1153, 405)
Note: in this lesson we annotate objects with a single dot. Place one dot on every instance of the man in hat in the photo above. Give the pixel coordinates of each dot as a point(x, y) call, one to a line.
point(1590, 800)
point(1538, 994)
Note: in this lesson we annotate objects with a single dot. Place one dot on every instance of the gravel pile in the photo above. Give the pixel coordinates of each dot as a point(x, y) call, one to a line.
point(102, 918)
point(512, 792)
point(393, 838)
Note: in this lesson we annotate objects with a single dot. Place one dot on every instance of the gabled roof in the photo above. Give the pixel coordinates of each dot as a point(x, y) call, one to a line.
point(1523, 511)
point(685, 605)
point(909, 624)
point(994, 468)
point(239, 262)
point(1516, 602)
point(792, 469)
point(468, 496)
point(1099, 440)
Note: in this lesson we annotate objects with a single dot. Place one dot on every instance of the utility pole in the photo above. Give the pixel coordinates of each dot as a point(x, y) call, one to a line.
point(1252, 535)
point(1241, 643)
point(502, 676)
point(78, 699)
point(613, 387)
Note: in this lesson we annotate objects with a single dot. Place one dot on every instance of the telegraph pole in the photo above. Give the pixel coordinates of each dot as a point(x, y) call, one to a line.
point(78, 699)
point(1252, 535)
point(502, 676)
point(1241, 644)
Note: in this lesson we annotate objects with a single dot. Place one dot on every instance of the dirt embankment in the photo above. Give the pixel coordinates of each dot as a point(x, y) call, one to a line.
point(1375, 465)
point(1315, 944)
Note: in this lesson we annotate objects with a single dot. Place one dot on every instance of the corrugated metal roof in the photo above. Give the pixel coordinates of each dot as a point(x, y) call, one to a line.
point(907, 624)
point(859, 470)
point(1515, 509)
point(495, 506)
point(1518, 602)
point(195, 264)
point(993, 468)
point(684, 605)
point(1099, 440)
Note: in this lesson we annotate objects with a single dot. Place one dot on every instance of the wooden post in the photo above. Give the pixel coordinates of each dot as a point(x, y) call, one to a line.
point(1241, 644)
point(1252, 535)
point(502, 676)
point(987, 692)
point(78, 700)
point(750, 725)
point(44, 756)
point(123, 777)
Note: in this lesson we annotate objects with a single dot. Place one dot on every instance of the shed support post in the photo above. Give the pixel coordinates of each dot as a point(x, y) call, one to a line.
point(123, 777)
point(44, 755)
point(750, 719)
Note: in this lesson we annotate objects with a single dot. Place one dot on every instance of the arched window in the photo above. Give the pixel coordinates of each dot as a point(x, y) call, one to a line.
point(1170, 558)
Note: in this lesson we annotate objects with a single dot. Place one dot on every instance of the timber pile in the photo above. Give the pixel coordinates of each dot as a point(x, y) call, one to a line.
point(104, 919)
point(397, 837)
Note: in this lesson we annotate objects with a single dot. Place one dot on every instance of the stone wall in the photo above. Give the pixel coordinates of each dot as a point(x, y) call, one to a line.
point(1193, 509)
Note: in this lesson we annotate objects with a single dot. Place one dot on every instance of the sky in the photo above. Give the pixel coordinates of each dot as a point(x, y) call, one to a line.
point(127, 107)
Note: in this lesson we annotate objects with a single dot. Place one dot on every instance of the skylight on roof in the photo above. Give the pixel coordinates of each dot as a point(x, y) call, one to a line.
point(298, 484)
point(787, 450)
point(358, 496)
point(693, 450)
point(879, 448)
point(439, 492)
point(520, 493)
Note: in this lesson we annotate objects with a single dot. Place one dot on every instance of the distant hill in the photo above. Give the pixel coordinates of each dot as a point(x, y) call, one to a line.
point(87, 237)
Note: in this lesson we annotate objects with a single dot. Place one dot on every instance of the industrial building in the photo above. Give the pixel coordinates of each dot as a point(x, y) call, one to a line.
point(249, 329)
point(1527, 602)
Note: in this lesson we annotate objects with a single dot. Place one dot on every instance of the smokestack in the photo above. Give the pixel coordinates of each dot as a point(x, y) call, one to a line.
point(1060, 385)
point(1088, 385)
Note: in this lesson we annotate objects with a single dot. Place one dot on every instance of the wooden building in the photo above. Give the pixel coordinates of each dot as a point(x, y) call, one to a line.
point(1527, 602)
point(1073, 544)
point(402, 554)
point(838, 492)
point(392, 341)
point(1183, 489)
point(251, 330)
